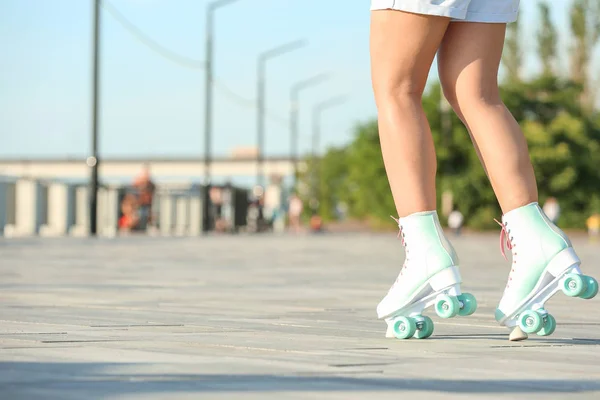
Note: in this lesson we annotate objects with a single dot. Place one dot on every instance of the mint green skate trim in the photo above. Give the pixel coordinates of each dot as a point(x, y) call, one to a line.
point(544, 263)
point(443, 291)
point(446, 281)
point(425, 329)
point(563, 266)
point(440, 253)
point(543, 235)
point(429, 276)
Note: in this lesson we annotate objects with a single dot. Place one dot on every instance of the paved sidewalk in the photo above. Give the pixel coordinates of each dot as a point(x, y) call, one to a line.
point(267, 317)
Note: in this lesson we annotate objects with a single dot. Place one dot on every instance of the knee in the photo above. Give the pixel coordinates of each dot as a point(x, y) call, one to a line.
point(449, 93)
point(478, 96)
point(463, 97)
point(398, 92)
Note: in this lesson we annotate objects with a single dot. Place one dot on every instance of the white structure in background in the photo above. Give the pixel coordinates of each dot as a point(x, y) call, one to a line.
point(3, 205)
point(243, 163)
point(30, 209)
point(81, 225)
point(61, 210)
point(180, 213)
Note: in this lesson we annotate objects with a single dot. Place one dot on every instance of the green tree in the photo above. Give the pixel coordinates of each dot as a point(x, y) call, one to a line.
point(513, 54)
point(564, 144)
point(547, 38)
point(585, 26)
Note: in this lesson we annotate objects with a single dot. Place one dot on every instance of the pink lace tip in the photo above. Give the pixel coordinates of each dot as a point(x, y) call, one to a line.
point(399, 227)
point(504, 239)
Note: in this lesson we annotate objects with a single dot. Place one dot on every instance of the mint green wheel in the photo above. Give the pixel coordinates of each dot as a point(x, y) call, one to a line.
point(591, 288)
point(447, 306)
point(469, 304)
point(404, 327)
point(530, 321)
point(549, 326)
point(426, 328)
point(573, 285)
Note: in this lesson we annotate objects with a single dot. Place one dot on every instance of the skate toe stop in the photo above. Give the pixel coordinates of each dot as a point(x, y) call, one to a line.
point(389, 333)
point(517, 335)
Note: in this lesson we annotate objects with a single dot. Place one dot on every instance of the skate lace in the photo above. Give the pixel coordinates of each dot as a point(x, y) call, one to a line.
point(402, 237)
point(507, 241)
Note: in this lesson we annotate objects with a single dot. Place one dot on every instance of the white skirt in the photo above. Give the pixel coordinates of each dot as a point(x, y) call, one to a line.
point(491, 11)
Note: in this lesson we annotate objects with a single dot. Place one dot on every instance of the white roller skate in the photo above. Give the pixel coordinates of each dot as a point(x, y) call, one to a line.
point(429, 277)
point(543, 263)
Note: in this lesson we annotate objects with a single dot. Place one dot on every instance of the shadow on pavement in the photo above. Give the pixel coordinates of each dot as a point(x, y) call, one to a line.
point(89, 380)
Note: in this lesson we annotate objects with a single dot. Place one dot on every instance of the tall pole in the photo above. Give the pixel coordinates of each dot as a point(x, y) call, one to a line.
point(208, 101)
point(316, 142)
point(260, 121)
point(260, 92)
point(294, 110)
point(93, 160)
point(208, 106)
point(294, 132)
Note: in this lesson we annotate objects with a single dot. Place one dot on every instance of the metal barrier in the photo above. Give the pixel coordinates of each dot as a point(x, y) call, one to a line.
point(30, 207)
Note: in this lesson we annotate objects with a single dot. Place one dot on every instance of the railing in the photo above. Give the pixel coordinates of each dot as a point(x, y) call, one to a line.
point(30, 207)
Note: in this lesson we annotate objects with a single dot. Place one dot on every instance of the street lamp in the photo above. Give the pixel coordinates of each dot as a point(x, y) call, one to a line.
point(208, 104)
point(294, 94)
point(93, 160)
point(261, 88)
point(316, 139)
point(317, 112)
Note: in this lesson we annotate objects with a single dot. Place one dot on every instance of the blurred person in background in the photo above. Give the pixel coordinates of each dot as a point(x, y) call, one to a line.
point(216, 209)
point(552, 209)
point(145, 192)
point(130, 218)
point(316, 222)
point(455, 221)
point(295, 209)
point(593, 225)
point(468, 37)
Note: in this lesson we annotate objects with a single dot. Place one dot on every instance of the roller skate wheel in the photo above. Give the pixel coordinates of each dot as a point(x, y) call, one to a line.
point(424, 328)
point(404, 327)
point(549, 326)
point(447, 306)
point(530, 321)
point(468, 304)
point(573, 285)
point(591, 288)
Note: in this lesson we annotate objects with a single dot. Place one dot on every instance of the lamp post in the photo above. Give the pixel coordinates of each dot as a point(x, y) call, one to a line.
point(294, 94)
point(261, 89)
point(208, 104)
point(93, 160)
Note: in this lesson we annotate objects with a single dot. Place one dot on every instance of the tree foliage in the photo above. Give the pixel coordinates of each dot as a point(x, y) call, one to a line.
point(564, 144)
point(513, 53)
point(547, 38)
point(562, 132)
point(585, 27)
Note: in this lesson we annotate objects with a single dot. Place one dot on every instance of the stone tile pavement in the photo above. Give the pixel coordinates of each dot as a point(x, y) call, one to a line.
point(255, 317)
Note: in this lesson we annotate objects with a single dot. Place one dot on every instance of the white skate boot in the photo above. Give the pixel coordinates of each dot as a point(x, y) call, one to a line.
point(543, 262)
point(430, 276)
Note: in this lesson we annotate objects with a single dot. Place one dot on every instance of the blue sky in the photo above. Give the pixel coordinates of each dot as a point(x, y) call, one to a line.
point(152, 106)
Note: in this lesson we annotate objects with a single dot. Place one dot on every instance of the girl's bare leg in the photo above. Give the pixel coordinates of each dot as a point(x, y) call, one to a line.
point(468, 64)
point(403, 46)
